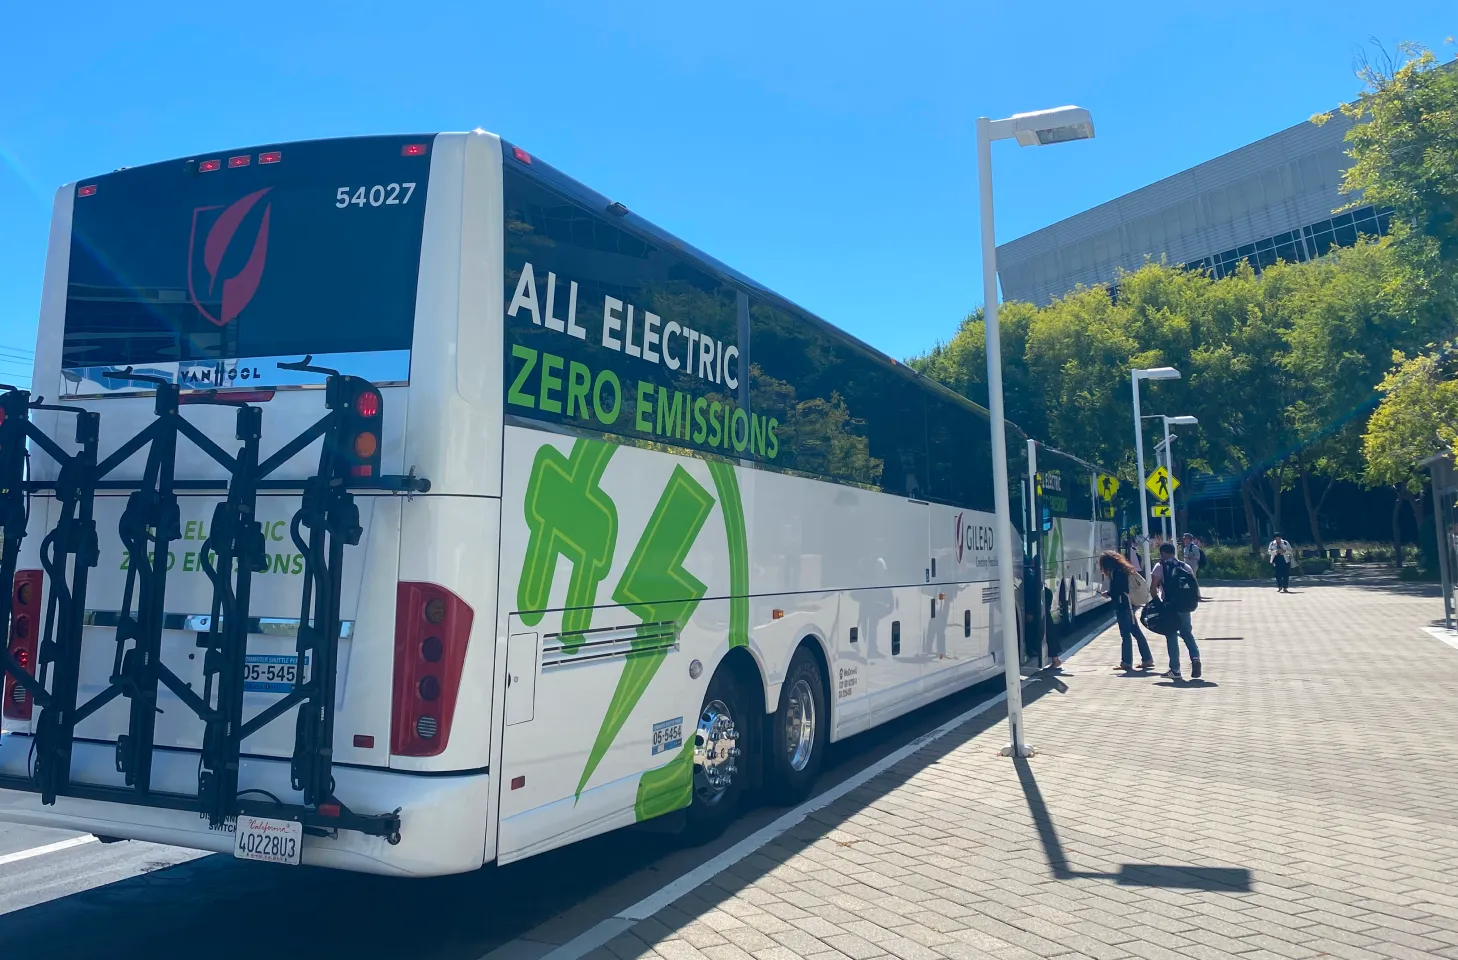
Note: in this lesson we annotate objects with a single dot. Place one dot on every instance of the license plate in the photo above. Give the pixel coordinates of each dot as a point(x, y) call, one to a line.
point(668, 735)
point(271, 672)
point(272, 841)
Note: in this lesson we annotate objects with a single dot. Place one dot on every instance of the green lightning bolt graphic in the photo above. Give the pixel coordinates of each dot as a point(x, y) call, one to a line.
point(570, 515)
point(657, 588)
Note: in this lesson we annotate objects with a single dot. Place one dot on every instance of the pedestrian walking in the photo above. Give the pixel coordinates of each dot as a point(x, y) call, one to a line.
point(1192, 553)
point(1126, 587)
point(1281, 556)
point(1174, 584)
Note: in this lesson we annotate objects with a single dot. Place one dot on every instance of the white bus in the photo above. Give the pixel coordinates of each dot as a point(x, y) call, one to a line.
point(446, 512)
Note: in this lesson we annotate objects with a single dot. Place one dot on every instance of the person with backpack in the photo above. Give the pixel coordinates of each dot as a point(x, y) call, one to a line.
point(1194, 555)
point(1127, 590)
point(1174, 585)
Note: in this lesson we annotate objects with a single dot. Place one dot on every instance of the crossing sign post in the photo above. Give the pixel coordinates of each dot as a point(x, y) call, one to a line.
point(1108, 486)
point(1161, 484)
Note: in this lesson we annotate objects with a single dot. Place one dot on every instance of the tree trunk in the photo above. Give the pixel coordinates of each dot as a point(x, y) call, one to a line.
point(1423, 519)
point(1397, 530)
point(1275, 505)
point(1250, 517)
point(1313, 510)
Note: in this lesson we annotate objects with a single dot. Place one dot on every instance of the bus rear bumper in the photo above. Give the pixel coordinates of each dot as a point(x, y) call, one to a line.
point(443, 817)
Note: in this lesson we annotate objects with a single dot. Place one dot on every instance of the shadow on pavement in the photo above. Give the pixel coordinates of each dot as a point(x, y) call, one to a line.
point(1129, 874)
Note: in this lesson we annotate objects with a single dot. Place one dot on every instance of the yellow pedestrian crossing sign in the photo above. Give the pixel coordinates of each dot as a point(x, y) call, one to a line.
point(1161, 484)
point(1159, 510)
point(1108, 486)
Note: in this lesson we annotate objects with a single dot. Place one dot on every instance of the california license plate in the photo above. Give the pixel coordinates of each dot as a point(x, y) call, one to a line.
point(272, 841)
point(271, 672)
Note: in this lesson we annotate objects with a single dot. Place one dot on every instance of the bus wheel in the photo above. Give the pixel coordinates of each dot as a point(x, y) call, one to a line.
point(798, 731)
point(720, 768)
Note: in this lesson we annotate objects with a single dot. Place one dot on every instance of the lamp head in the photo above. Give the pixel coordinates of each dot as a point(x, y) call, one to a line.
point(1183, 421)
point(1045, 127)
point(1157, 373)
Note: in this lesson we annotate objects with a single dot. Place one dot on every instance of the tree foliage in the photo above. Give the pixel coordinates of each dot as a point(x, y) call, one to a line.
point(1404, 147)
point(1417, 418)
point(1282, 368)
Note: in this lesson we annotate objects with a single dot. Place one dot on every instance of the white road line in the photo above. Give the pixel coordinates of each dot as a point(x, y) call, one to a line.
point(605, 930)
point(1450, 637)
point(48, 848)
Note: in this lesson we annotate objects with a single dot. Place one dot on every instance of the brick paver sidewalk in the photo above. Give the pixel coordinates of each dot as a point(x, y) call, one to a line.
point(1303, 802)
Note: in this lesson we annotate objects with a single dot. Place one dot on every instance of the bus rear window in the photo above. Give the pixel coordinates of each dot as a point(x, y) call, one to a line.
point(212, 270)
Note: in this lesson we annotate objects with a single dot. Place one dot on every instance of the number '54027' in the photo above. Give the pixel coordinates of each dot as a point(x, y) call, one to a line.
point(380, 195)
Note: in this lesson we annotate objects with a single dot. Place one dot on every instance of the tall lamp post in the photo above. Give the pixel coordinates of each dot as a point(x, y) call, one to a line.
point(1138, 374)
point(1041, 127)
point(1174, 533)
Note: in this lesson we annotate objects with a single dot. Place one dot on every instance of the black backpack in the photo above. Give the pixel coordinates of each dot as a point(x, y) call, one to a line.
point(1181, 591)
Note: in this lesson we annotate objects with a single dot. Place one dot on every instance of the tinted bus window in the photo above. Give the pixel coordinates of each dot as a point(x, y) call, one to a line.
point(846, 415)
point(316, 251)
point(960, 447)
point(611, 333)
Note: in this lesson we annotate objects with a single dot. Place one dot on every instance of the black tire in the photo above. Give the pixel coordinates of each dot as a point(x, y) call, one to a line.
point(715, 803)
point(794, 750)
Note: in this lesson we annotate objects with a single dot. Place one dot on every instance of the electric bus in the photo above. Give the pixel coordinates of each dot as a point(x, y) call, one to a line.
point(398, 504)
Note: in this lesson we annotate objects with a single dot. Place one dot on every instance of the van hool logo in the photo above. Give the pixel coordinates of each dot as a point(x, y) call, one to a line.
point(972, 536)
point(223, 297)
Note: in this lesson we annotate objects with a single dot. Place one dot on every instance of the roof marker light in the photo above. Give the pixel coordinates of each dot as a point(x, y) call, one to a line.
point(87, 191)
point(521, 155)
point(413, 150)
point(272, 156)
point(242, 161)
point(208, 166)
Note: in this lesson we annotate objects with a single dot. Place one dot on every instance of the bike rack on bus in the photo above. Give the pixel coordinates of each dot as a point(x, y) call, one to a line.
point(149, 524)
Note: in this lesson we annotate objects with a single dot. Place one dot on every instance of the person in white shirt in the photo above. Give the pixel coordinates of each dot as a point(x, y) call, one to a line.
point(1191, 552)
point(1281, 556)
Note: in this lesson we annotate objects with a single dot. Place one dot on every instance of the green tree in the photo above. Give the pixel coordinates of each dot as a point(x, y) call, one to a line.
point(1404, 147)
point(1417, 418)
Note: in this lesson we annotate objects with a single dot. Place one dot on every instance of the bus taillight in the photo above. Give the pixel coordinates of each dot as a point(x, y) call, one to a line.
point(25, 604)
point(432, 627)
point(363, 410)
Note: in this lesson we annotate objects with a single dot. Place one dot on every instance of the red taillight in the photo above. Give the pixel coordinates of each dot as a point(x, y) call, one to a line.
point(208, 166)
point(413, 150)
point(432, 626)
point(272, 156)
point(521, 155)
point(242, 161)
point(25, 606)
point(86, 191)
point(367, 404)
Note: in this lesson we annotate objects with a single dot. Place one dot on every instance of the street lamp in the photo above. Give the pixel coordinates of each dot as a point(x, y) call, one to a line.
point(1174, 533)
point(1029, 130)
point(1146, 373)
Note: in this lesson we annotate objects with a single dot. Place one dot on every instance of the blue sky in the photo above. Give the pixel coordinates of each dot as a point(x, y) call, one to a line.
point(823, 148)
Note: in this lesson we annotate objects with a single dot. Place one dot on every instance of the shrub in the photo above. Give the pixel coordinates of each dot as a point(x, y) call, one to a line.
point(1234, 563)
point(1314, 565)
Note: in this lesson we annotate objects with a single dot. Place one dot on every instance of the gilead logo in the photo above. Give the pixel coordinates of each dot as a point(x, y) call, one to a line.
point(228, 294)
point(972, 536)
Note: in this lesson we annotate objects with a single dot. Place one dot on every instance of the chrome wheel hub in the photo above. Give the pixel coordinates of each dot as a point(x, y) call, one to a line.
point(716, 753)
point(800, 725)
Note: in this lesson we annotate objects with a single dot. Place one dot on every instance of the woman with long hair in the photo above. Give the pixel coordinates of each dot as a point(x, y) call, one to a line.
point(1117, 571)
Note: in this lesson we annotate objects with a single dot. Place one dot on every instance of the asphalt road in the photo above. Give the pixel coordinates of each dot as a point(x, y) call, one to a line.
point(142, 900)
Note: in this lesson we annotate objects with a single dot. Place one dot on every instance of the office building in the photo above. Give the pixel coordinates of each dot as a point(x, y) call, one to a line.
point(1271, 199)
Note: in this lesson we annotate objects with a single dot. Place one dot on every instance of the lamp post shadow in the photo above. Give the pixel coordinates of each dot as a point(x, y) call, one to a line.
point(1173, 876)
